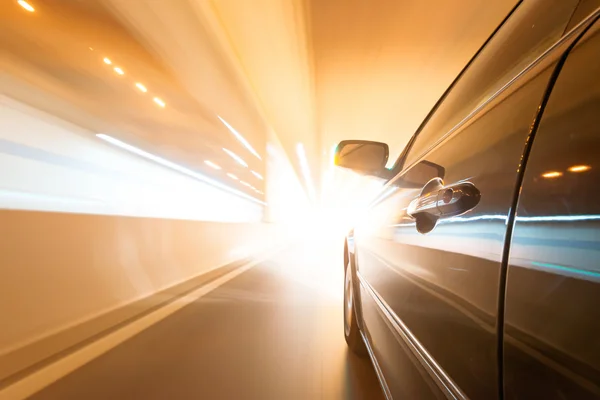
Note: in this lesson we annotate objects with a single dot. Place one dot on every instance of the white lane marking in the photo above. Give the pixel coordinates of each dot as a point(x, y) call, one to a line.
point(47, 375)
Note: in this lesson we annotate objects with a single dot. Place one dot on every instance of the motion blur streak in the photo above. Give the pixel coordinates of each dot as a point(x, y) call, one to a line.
point(211, 164)
point(240, 138)
point(305, 170)
point(256, 174)
point(26, 5)
point(141, 87)
point(174, 166)
point(237, 158)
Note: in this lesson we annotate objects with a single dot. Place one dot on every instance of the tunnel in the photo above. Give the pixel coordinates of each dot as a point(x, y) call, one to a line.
point(173, 224)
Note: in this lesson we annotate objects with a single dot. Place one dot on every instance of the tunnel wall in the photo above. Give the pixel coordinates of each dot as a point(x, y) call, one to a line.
point(92, 235)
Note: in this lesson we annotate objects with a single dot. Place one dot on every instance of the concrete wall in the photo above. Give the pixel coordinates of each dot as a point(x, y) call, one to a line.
point(87, 228)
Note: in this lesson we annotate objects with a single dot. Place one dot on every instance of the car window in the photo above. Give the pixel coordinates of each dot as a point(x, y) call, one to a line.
point(533, 27)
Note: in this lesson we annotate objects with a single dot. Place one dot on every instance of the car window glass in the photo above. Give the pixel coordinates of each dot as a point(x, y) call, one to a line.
point(533, 27)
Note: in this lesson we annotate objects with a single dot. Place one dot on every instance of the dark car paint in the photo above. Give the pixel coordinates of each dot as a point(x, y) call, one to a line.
point(552, 315)
point(442, 290)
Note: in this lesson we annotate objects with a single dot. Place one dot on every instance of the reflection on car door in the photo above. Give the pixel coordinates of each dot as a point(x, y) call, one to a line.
point(430, 301)
point(552, 324)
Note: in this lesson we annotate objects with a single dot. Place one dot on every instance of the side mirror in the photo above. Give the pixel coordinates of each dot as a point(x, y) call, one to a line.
point(363, 156)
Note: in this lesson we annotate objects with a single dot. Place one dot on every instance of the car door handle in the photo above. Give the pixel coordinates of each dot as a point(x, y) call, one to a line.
point(440, 201)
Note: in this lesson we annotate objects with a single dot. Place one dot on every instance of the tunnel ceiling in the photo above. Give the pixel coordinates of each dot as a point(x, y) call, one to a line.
point(310, 71)
point(327, 70)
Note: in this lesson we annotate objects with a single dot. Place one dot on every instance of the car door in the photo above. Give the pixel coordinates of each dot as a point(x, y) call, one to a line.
point(429, 284)
point(552, 311)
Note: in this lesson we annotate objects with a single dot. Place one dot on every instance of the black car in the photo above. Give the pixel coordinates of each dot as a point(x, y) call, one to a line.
point(477, 272)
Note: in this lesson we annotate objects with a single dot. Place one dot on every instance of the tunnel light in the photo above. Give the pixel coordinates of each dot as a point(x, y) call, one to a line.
point(119, 71)
point(246, 184)
point(107, 61)
point(240, 138)
point(211, 164)
point(235, 157)
point(256, 174)
point(579, 168)
point(159, 102)
point(176, 167)
point(552, 174)
point(305, 170)
point(141, 87)
point(232, 176)
point(26, 5)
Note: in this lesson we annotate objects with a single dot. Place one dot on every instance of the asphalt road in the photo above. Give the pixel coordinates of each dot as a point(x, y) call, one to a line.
point(273, 332)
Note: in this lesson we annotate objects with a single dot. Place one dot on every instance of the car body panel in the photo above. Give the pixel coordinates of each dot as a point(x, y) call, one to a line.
point(447, 281)
point(552, 324)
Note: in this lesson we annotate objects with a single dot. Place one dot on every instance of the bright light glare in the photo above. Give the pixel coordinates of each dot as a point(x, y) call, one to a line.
point(332, 156)
point(580, 168)
point(107, 61)
point(26, 5)
point(141, 87)
point(178, 168)
point(232, 176)
point(552, 174)
point(235, 157)
point(211, 164)
point(159, 102)
point(256, 174)
point(305, 170)
point(240, 138)
point(119, 71)
point(246, 184)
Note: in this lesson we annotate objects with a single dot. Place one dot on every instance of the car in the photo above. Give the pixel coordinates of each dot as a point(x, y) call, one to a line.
point(476, 273)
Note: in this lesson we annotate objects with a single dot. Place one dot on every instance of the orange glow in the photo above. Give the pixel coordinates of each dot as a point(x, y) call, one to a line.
point(119, 71)
point(107, 61)
point(26, 5)
point(580, 168)
point(141, 87)
point(159, 102)
point(552, 174)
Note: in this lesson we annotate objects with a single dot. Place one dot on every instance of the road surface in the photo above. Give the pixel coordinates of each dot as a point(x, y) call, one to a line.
point(273, 332)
